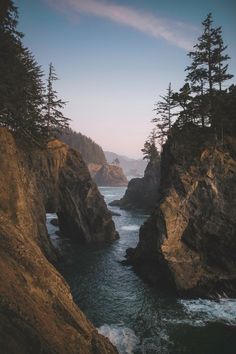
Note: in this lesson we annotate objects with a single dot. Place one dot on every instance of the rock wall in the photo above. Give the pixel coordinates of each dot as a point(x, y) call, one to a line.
point(65, 184)
point(37, 312)
point(142, 193)
point(189, 242)
point(111, 176)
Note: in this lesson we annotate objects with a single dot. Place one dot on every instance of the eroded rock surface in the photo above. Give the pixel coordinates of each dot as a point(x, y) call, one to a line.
point(142, 193)
point(189, 241)
point(111, 176)
point(37, 312)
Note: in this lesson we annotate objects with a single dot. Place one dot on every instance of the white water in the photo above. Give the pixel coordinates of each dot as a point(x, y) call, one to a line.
point(122, 337)
point(150, 322)
point(130, 227)
point(202, 311)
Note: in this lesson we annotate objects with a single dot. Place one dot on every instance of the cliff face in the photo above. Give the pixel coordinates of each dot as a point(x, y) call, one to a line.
point(64, 182)
point(190, 239)
point(37, 313)
point(111, 176)
point(142, 193)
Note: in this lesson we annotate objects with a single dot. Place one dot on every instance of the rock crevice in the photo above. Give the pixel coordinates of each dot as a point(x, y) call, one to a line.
point(37, 312)
point(191, 235)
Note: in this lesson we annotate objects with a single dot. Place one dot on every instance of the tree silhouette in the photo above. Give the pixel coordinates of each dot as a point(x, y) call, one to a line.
point(164, 115)
point(207, 70)
point(116, 161)
point(149, 150)
point(183, 100)
point(54, 117)
point(21, 85)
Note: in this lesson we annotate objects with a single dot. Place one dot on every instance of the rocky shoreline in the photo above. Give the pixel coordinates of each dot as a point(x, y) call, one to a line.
point(189, 240)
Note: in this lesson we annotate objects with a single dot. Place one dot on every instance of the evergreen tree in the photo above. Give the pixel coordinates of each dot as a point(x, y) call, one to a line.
point(90, 151)
point(164, 114)
point(21, 86)
point(116, 162)
point(207, 70)
point(220, 57)
point(149, 150)
point(54, 118)
point(183, 100)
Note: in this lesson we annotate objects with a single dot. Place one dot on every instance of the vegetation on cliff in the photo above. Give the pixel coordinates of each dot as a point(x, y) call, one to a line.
point(90, 151)
point(27, 108)
point(189, 240)
point(204, 100)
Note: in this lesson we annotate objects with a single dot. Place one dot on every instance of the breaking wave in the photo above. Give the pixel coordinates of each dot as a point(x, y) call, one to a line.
point(130, 227)
point(122, 337)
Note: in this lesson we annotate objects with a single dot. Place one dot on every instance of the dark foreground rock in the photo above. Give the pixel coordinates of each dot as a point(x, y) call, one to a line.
point(37, 312)
point(142, 193)
point(189, 241)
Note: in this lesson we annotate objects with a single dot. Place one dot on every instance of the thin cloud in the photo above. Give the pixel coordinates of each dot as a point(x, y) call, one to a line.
point(176, 33)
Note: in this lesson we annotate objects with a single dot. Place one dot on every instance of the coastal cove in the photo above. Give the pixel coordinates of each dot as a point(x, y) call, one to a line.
point(137, 318)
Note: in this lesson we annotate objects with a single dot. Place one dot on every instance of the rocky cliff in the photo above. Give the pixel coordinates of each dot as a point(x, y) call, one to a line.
point(37, 312)
point(111, 176)
point(142, 193)
point(189, 242)
point(130, 166)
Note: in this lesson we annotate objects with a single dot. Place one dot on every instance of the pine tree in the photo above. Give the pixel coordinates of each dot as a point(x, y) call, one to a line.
point(21, 86)
point(183, 100)
point(221, 74)
point(149, 150)
point(207, 70)
point(164, 114)
point(54, 118)
point(116, 161)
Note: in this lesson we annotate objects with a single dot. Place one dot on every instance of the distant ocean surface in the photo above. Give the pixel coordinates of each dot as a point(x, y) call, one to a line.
point(135, 317)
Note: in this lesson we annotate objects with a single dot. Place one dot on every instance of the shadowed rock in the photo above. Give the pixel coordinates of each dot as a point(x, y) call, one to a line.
point(190, 239)
point(37, 312)
point(142, 193)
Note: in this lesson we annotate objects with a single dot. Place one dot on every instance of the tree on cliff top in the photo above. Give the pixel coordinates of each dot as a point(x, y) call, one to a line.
point(22, 91)
point(116, 162)
point(21, 86)
point(207, 71)
point(90, 151)
point(149, 150)
point(55, 120)
point(164, 115)
point(187, 106)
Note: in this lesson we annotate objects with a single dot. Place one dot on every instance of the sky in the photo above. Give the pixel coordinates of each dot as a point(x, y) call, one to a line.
point(114, 58)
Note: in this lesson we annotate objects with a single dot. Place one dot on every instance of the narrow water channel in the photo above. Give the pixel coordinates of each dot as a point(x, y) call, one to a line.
point(137, 318)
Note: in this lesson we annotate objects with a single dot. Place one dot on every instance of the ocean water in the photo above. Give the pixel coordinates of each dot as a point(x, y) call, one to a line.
point(137, 318)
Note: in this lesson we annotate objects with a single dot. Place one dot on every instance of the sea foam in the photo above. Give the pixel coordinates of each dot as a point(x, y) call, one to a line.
point(130, 228)
point(122, 337)
point(223, 310)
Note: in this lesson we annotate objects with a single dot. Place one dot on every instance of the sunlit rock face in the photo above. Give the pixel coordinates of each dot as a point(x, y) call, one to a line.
point(110, 176)
point(189, 241)
point(142, 193)
point(37, 312)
